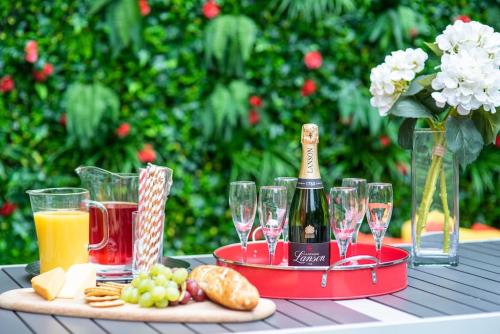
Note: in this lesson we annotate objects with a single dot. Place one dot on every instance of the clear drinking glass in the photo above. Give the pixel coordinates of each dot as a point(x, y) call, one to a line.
point(343, 209)
point(289, 183)
point(379, 212)
point(243, 204)
point(272, 212)
point(361, 189)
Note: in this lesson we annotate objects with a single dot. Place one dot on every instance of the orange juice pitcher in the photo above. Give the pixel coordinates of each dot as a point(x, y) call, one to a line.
point(62, 224)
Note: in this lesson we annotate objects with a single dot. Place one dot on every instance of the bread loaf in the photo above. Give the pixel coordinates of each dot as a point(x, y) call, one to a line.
point(226, 286)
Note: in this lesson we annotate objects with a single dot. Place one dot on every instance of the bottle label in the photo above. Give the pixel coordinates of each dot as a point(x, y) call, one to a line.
point(309, 184)
point(313, 254)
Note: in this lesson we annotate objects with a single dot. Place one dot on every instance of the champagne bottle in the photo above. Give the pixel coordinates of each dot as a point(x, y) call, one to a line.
point(309, 227)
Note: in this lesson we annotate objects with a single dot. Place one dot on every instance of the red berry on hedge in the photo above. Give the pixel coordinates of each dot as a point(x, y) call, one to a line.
point(413, 32)
point(463, 18)
point(31, 52)
point(402, 168)
point(144, 7)
point(210, 9)
point(147, 154)
point(62, 120)
point(7, 209)
point(123, 130)
point(313, 60)
point(48, 69)
point(255, 101)
point(6, 84)
point(497, 142)
point(308, 88)
point(385, 141)
point(39, 76)
point(253, 117)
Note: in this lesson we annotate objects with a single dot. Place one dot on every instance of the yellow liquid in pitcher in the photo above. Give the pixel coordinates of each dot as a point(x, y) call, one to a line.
point(63, 237)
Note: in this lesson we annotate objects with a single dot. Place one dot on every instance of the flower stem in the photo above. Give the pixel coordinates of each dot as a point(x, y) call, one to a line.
point(444, 200)
point(429, 190)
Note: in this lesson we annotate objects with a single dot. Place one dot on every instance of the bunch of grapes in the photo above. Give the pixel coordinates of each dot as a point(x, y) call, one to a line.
point(162, 287)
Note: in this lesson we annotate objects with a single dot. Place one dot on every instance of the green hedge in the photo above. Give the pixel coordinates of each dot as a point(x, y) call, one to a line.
point(182, 81)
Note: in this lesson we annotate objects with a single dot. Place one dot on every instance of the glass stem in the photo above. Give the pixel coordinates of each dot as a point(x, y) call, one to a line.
point(244, 242)
point(272, 249)
point(378, 247)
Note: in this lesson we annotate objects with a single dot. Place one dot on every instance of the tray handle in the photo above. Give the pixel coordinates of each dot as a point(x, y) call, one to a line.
point(324, 278)
point(254, 233)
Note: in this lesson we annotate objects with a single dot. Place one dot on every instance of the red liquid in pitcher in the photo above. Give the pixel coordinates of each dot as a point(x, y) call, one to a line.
point(118, 251)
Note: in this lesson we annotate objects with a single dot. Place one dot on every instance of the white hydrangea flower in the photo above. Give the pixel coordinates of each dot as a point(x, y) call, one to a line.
point(405, 64)
point(389, 79)
point(468, 80)
point(470, 35)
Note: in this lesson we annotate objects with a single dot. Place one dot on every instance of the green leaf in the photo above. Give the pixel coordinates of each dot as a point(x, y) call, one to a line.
point(312, 11)
point(124, 25)
point(487, 123)
point(97, 5)
point(229, 39)
point(86, 106)
point(405, 134)
point(434, 48)
point(418, 84)
point(409, 107)
point(41, 90)
point(226, 109)
point(463, 139)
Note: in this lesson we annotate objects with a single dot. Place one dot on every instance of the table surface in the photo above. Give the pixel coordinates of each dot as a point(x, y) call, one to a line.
point(448, 299)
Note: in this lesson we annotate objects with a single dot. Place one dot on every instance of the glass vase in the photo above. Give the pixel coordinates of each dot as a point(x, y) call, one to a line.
point(434, 216)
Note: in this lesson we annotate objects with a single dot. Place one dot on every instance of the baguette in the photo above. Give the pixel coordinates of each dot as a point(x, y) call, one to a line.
point(226, 286)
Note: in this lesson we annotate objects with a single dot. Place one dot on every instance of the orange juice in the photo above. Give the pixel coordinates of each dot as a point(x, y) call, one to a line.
point(63, 238)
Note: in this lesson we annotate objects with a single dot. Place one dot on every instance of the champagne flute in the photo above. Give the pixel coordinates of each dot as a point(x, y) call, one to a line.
point(289, 183)
point(379, 212)
point(272, 212)
point(361, 188)
point(343, 210)
point(243, 204)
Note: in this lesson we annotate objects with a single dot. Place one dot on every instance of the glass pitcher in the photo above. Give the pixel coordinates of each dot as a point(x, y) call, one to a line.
point(119, 193)
point(62, 222)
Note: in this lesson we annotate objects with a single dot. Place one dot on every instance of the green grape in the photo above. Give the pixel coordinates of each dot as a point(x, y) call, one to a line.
point(167, 272)
point(146, 285)
point(173, 294)
point(180, 275)
point(160, 279)
point(145, 300)
point(162, 304)
point(133, 296)
point(158, 293)
point(156, 269)
point(143, 275)
point(172, 284)
point(135, 282)
point(125, 295)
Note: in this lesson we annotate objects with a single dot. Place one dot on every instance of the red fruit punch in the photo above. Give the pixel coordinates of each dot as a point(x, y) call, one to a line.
point(118, 251)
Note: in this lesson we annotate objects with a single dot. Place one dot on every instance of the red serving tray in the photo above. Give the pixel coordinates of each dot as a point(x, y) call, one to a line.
point(363, 279)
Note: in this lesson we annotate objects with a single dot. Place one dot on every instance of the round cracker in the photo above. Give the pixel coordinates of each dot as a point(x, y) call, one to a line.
point(104, 290)
point(112, 285)
point(100, 298)
point(111, 303)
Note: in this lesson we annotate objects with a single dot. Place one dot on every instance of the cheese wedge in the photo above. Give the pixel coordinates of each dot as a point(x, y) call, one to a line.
point(49, 283)
point(78, 278)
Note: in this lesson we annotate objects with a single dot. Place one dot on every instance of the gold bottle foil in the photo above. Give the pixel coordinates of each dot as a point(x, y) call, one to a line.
point(309, 176)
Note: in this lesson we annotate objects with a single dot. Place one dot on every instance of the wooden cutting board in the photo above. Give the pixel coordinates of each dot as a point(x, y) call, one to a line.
point(28, 301)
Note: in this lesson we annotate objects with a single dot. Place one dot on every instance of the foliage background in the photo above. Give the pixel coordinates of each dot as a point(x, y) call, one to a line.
point(184, 91)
